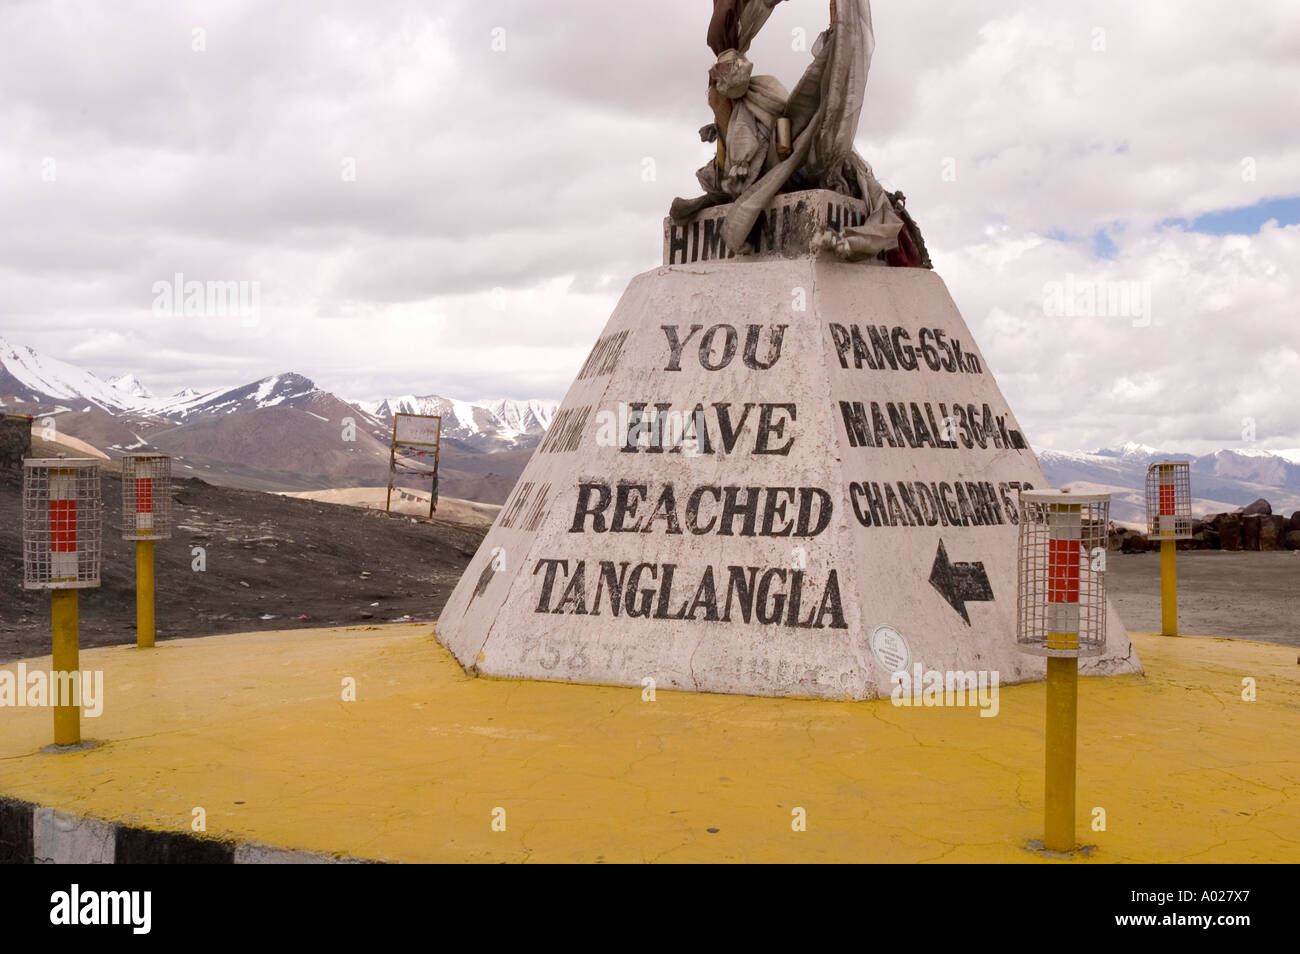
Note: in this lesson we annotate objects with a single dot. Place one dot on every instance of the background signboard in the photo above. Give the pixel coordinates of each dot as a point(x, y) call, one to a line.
point(415, 446)
point(416, 430)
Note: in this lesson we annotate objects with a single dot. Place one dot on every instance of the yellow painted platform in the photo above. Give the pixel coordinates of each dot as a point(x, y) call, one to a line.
point(252, 728)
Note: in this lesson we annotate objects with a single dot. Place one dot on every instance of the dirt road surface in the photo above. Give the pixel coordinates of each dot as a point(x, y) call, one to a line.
point(1242, 595)
point(268, 562)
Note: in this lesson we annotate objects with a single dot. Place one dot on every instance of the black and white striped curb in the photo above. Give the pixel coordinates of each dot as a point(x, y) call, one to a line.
point(30, 834)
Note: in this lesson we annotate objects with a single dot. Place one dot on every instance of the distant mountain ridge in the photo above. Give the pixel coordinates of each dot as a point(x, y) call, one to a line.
point(1224, 480)
point(29, 378)
point(500, 424)
point(283, 432)
point(278, 433)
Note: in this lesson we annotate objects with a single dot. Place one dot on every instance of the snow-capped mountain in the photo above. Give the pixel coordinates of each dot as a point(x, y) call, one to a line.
point(131, 386)
point(239, 428)
point(31, 378)
point(1221, 481)
point(525, 417)
point(280, 432)
point(286, 390)
point(479, 425)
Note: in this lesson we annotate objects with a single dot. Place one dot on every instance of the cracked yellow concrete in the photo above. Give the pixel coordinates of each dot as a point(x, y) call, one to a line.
point(253, 729)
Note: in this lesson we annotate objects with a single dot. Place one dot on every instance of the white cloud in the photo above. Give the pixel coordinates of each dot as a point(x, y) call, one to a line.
point(520, 170)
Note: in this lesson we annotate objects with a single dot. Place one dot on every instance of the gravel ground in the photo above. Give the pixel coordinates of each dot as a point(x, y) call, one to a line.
point(1237, 594)
point(277, 557)
point(270, 562)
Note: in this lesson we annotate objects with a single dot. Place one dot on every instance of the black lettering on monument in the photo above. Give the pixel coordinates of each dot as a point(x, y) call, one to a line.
point(515, 505)
point(769, 596)
point(902, 425)
point(604, 356)
point(732, 508)
point(565, 432)
point(636, 427)
point(840, 338)
point(891, 348)
point(693, 510)
point(677, 344)
point(661, 426)
point(923, 435)
point(976, 427)
point(900, 342)
point(767, 428)
point(696, 430)
point(678, 244)
point(882, 346)
point(665, 593)
point(538, 511)
point(767, 225)
point(774, 509)
point(608, 582)
point(586, 508)
point(938, 431)
point(740, 589)
point(665, 509)
point(730, 342)
point(813, 500)
point(830, 604)
point(775, 337)
point(633, 608)
point(880, 431)
point(706, 598)
point(855, 424)
point(769, 611)
point(669, 431)
point(574, 599)
point(548, 581)
point(713, 245)
point(918, 504)
point(729, 432)
point(628, 497)
point(732, 511)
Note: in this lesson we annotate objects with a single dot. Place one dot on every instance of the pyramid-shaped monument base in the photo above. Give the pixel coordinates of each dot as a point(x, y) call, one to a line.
point(784, 477)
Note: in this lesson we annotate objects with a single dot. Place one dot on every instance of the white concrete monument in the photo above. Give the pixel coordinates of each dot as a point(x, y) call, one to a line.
point(783, 470)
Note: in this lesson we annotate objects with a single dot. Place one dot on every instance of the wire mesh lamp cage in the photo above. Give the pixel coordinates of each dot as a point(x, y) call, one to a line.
point(62, 524)
point(1061, 600)
point(1169, 500)
point(146, 497)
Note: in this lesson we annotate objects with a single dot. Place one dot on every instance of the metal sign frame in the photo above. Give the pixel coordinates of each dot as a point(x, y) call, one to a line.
point(395, 444)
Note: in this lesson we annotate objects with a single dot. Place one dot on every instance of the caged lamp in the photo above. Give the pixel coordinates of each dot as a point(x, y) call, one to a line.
point(146, 517)
point(146, 497)
point(1169, 519)
point(62, 514)
point(1061, 614)
point(62, 552)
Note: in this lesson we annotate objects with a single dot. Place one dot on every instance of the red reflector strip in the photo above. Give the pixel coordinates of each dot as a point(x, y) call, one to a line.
point(1167, 499)
point(1063, 571)
point(63, 526)
point(144, 495)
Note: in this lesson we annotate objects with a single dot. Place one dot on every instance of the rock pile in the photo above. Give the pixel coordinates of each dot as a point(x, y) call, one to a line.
point(15, 441)
point(1253, 527)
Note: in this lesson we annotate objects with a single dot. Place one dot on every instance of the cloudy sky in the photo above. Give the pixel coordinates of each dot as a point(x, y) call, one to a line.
point(448, 196)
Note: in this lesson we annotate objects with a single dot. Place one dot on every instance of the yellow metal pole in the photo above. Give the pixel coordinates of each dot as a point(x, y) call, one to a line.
point(144, 629)
point(67, 718)
point(1168, 588)
point(1062, 733)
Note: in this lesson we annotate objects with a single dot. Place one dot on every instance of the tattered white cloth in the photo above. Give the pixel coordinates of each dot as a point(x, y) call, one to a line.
point(823, 112)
